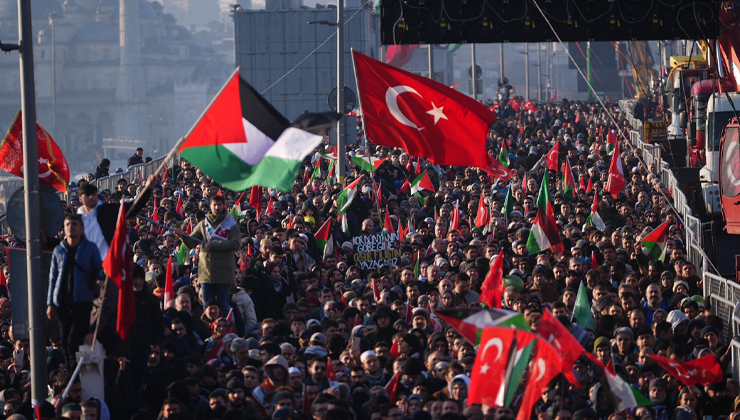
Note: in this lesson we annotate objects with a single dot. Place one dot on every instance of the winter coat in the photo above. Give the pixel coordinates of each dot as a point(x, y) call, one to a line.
point(245, 309)
point(217, 265)
point(149, 324)
point(88, 258)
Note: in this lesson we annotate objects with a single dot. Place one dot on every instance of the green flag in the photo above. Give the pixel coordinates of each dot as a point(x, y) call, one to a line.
point(582, 310)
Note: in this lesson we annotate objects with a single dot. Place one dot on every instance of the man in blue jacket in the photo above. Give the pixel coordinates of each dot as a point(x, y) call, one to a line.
point(75, 266)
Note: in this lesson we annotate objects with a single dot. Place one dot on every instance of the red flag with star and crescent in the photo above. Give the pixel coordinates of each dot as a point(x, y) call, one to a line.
point(545, 365)
point(497, 170)
point(53, 168)
point(702, 371)
point(421, 116)
point(555, 333)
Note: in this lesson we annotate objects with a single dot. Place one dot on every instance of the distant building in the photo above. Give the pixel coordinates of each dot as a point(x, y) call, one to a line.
point(269, 43)
point(149, 86)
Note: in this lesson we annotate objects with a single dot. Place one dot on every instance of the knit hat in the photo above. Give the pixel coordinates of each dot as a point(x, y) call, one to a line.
point(709, 329)
point(601, 341)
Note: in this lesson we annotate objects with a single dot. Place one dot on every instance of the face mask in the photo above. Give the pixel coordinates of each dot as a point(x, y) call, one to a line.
point(367, 190)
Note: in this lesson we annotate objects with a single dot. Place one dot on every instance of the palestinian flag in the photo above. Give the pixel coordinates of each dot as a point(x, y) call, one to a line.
point(368, 163)
point(582, 310)
point(242, 140)
point(623, 395)
point(594, 219)
point(316, 174)
point(421, 183)
point(503, 155)
point(655, 242)
point(324, 239)
point(611, 141)
point(328, 156)
point(405, 187)
point(470, 321)
point(236, 211)
point(345, 198)
point(544, 233)
point(569, 183)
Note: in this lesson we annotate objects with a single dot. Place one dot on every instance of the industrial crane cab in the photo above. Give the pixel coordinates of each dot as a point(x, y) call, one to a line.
point(729, 176)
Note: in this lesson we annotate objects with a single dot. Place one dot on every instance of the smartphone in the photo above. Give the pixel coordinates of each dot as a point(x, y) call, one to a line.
point(356, 343)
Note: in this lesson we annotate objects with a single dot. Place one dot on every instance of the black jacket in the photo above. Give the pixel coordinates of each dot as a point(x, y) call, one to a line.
point(134, 160)
point(149, 324)
point(108, 213)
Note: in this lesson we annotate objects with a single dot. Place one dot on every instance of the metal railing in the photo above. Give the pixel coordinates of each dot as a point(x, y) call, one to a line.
point(720, 293)
point(130, 174)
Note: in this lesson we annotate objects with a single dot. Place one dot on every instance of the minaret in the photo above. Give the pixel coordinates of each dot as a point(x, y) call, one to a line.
point(131, 91)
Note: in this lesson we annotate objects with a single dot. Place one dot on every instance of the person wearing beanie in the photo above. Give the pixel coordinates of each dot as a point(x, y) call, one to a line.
point(602, 349)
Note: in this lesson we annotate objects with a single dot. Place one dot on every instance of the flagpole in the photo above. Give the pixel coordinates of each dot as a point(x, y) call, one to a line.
point(168, 228)
point(359, 99)
point(179, 143)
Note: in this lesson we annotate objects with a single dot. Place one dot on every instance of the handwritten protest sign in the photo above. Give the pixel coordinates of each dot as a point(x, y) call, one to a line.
point(373, 251)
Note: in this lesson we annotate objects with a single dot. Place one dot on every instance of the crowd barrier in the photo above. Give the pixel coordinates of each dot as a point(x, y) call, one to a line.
point(723, 295)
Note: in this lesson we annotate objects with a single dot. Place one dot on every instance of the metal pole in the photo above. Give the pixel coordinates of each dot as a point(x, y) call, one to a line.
point(472, 56)
point(430, 59)
point(526, 70)
point(539, 73)
point(35, 285)
point(589, 71)
point(501, 62)
point(340, 90)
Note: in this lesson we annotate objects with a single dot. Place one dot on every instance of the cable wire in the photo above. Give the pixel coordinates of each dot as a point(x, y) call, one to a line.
point(314, 51)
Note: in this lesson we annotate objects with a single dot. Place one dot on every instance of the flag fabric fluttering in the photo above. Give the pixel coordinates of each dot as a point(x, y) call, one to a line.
point(582, 310)
point(593, 218)
point(545, 233)
point(469, 322)
point(422, 183)
point(368, 163)
point(242, 140)
point(324, 239)
point(655, 242)
point(53, 168)
point(493, 285)
point(421, 116)
point(569, 183)
point(117, 266)
point(348, 194)
point(553, 158)
point(615, 183)
point(169, 284)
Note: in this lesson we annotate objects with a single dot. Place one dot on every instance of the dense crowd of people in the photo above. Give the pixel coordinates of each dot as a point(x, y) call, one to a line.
point(259, 312)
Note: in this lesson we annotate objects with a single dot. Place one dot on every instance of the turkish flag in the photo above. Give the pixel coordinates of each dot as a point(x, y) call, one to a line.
point(455, 218)
point(553, 157)
point(392, 387)
point(481, 218)
point(615, 182)
point(545, 365)
point(490, 364)
point(423, 117)
point(514, 104)
point(702, 371)
point(169, 285)
point(53, 168)
point(529, 106)
point(492, 289)
point(399, 55)
point(497, 169)
point(406, 187)
point(395, 350)
point(555, 333)
point(117, 266)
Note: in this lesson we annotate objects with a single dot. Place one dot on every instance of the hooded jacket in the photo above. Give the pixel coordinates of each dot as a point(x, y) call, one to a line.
point(217, 265)
point(270, 384)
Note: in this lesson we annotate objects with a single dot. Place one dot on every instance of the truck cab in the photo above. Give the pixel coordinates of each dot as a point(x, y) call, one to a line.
point(729, 175)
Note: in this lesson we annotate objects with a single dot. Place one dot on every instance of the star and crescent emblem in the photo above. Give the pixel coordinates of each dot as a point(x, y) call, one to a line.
point(391, 101)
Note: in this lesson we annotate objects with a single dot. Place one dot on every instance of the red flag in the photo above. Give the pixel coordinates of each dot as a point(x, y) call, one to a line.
point(554, 96)
point(601, 132)
point(358, 320)
point(611, 139)
point(376, 292)
point(306, 175)
point(395, 351)
point(165, 173)
point(219, 193)
point(578, 117)
point(155, 212)
point(514, 104)
point(423, 117)
point(392, 388)
point(702, 371)
point(615, 182)
point(524, 183)
point(255, 199)
point(290, 222)
point(189, 230)
point(409, 316)
point(670, 191)
point(178, 207)
point(590, 186)
point(406, 187)
point(582, 183)
point(529, 106)
point(3, 282)
point(594, 263)
point(481, 218)
point(330, 374)
point(270, 207)
point(553, 158)
point(545, 366)
point(401, 233)
point(169, 284)
point(498, 170)
point(455, 222)
point(53, 168)
point(387, 223)
point(418, 169)
point(117, 266)
point(493, 286)
point(138, 173)
point(555, 333)
point(399, 55)
point(410, 165)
